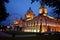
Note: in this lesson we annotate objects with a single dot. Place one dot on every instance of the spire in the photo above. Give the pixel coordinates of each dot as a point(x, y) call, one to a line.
point(30, 10)
point(42, 3)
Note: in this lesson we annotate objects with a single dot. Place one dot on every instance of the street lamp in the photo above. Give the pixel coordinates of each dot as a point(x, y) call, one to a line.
point(40, 25)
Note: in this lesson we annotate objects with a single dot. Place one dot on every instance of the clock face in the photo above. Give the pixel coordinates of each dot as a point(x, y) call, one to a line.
point(42, 10)
point(45, 10)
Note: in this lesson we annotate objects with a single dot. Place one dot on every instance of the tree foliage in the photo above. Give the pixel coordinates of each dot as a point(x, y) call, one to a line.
point(3, 13)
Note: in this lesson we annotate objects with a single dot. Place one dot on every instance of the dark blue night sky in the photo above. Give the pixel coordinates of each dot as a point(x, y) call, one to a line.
point(18, 8)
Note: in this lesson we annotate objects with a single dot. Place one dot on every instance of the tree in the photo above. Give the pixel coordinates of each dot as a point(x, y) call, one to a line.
point(52, 3)
point(3, 13)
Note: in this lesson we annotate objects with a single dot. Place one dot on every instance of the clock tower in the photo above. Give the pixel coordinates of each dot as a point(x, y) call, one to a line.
point(42, 10)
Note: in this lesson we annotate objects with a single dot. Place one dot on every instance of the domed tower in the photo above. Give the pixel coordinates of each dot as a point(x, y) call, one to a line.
point(29, 15)
point(21, 22)
point(16, 22)
point(43, 10)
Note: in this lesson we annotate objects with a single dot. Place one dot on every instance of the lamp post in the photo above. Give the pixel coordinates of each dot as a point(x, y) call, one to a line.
point(40, 25)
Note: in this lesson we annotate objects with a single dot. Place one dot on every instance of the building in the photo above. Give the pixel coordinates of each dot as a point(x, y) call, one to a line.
point(41, 23)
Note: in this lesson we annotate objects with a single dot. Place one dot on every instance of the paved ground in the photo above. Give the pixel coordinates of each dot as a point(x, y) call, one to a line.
point(30, 35)
point(8, 35)
point(5, 35)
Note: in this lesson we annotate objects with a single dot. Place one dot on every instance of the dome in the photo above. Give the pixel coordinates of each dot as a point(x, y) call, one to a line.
point(29, 15)
point(16, 22)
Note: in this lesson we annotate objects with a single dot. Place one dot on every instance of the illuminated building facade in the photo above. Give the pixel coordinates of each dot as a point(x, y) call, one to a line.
point(41, 23)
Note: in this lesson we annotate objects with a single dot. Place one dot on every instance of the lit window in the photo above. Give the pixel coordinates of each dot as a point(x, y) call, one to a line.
point(35, 22)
